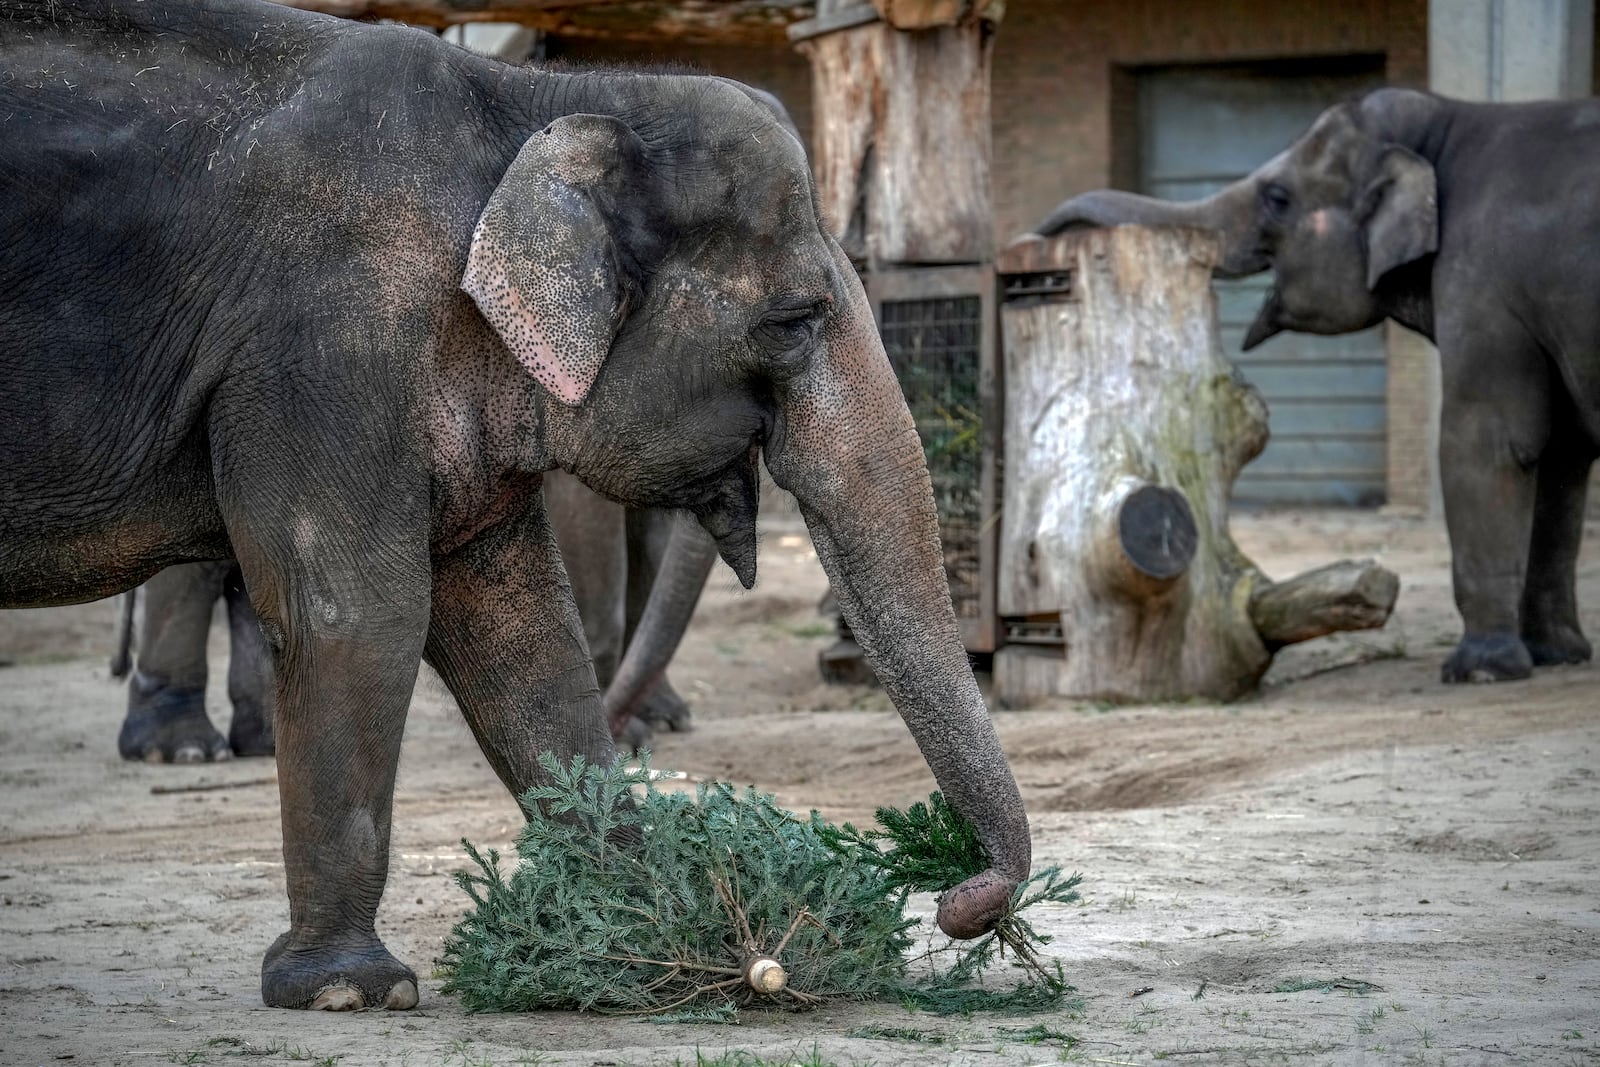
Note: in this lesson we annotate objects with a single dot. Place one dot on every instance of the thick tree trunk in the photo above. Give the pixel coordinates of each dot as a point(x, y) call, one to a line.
point(1126, 428)
point(901, 134)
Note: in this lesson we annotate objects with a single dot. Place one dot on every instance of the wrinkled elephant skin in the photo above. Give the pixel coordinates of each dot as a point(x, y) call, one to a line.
point(354, 290)
point(1478, 226)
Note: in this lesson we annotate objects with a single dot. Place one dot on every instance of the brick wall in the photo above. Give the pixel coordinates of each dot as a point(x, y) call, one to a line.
point(1060, 122)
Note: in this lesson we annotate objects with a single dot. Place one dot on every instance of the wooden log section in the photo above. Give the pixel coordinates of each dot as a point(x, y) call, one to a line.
point(900, 132)
point(1126, 428)
point(1348, 595)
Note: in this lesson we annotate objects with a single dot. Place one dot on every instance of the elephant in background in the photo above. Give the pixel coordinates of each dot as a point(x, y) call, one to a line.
point(353, 291)
point(613, 556)
point(1477, 225)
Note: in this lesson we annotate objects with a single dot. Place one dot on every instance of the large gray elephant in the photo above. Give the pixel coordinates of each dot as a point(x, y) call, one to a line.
point(1477, 225)
point(329, 297)
point(613, 556)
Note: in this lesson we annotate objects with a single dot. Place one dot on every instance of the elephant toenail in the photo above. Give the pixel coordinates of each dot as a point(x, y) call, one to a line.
point(339, 997)
point(402, 996)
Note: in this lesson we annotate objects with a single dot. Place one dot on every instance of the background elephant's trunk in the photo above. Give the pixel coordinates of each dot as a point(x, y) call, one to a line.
point(679, 581)
point(1230, 213)
point(848, 450)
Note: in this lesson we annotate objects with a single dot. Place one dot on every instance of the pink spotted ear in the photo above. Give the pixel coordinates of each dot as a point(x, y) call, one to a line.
point(542, 268)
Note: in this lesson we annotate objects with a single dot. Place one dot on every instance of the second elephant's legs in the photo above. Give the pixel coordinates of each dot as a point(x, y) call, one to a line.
point(1549, 606)
point(1495, 428)
point(649, 534)
point(166, 719)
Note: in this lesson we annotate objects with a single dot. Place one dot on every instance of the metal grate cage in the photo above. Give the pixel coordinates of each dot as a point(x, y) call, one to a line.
point(935, 346)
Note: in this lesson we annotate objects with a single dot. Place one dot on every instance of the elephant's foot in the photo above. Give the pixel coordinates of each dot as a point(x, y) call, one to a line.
point(634, 736)
point(1557, 643)
point(251, 732)
point(166, 725)
point(346, 974)
point(666, 709)
point(1495, 657)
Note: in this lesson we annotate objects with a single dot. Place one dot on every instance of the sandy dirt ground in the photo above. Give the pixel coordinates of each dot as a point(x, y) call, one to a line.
point(1358, 866)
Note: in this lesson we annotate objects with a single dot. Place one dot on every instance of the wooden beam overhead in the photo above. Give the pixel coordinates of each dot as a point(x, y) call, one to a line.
point(684, 21)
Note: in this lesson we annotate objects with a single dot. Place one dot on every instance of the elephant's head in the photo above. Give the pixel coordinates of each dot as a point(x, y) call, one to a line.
point(1330, 215)
point(666, 278)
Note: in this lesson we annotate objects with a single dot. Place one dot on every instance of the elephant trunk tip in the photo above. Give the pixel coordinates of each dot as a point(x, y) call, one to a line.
point(973, 908)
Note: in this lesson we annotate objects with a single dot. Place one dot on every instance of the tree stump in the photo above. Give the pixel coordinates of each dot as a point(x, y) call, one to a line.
point(1125, 430)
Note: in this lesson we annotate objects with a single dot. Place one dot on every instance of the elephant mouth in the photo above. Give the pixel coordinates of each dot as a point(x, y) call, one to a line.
point(1267, 322)
point(729, 515)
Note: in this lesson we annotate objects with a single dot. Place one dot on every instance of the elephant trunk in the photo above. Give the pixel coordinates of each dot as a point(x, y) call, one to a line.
point(1230, 213)
point(682, 575)
point(848, 450)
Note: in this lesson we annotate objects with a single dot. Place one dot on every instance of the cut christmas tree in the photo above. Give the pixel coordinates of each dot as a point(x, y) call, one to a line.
point(633, 900)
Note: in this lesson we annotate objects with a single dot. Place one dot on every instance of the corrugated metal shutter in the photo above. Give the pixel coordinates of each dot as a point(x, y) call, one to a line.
point(1201, 128)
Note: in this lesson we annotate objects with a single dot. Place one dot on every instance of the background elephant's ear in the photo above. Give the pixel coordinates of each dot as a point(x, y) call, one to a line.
point(543, 266)
point(1400, 212)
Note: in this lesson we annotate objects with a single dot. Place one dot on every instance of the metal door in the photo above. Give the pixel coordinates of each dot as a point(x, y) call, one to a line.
point(1201, 127)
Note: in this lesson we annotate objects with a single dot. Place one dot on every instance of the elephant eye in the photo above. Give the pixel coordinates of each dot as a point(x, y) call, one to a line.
point(1275, 197)
point(788, 332)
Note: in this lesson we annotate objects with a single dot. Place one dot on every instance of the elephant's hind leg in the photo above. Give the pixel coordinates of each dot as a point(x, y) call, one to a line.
point(166, 720)
point(1549, 599)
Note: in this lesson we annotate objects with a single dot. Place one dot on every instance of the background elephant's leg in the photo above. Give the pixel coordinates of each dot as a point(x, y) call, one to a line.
point(649, 534)
point(166, 718)
point(249, 673)
point(1493, 426)
point(591, 532)
point(1550, 625)
point(505, 638)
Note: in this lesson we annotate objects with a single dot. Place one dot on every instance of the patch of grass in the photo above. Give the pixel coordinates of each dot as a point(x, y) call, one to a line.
point(1038, 1034)
point(1572, 1035)
point(805, 630)
point(745, 1058)
point(188, 1059)
point(897, 1033)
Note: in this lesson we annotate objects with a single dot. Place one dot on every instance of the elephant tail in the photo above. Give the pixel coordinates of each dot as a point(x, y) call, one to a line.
point(122, 654)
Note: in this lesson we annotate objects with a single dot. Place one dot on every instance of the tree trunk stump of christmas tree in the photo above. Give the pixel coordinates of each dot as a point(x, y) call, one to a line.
point(1126, 428)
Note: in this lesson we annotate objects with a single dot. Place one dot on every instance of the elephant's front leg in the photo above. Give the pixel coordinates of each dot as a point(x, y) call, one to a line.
point(1550, 625)
point(348, 648)
point(506, 638)
point(1493, 428)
